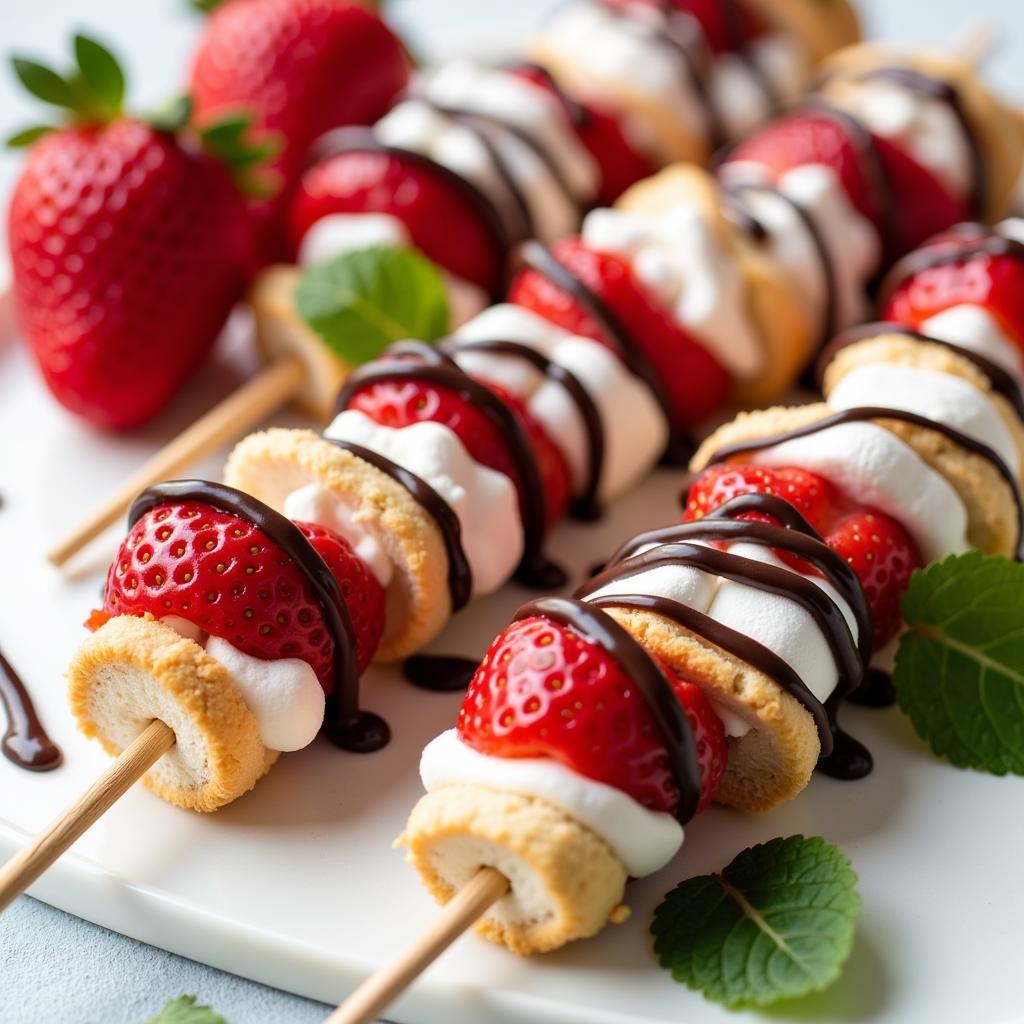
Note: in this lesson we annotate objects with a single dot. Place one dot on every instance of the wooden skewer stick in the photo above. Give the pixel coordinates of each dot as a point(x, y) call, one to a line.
point(238, 413)
point(978, 44)
point(379, 990)
point(135, 760)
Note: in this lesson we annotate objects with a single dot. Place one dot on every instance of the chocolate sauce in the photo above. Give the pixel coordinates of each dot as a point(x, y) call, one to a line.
point(460, 575)
point(442, 673)
point(415, 360)
point(966, 243)
point(850, 759)
point(938, 89)
point(828, 270)
point(1001, 381)
point(865, 414)
point(346, 725)
point(537, 257)
point(601, 629)
point(363, 140)
point(578, 115)
point(740, 43)
point(585, 506)
point(875, 691)
point(25, 742)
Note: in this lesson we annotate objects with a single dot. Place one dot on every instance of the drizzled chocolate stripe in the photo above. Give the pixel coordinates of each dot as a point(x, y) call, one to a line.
point(347, 725)
point(1001, 381)
point(25, 742)
point(967, 242)
point(585, 505)
point(599, 628)
point(577, 113)
point(865, 414)
point(740, 43)
point(685, 39)
point(828, 324)
point(933, 88)
point(415, 360)
point(460, 575)
point(537, 257)
point(363, 140)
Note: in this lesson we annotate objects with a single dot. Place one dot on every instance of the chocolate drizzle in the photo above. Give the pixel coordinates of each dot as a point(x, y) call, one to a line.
point(346, 725)
point(1001, 381)
point(363, 140)
point(460, 575)
point(442, 673)
point(537, 257)
point(944, 92)
point(875, 691)
point(864, 414)
point(585, 505)
point(25, 742)
point(674, 546)
point(415, 360)
point(601, 629)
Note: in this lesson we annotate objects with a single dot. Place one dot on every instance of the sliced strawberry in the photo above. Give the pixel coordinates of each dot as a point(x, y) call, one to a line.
point(883, 556)
point(224, 575)
point(812, 496)
point(809, 137)
point(695, 383)
point(543, 690)
point(441, 221)
point(600, 130)
point(364, 596)
point(921, 203)
point(995, 282)
point(398, 403)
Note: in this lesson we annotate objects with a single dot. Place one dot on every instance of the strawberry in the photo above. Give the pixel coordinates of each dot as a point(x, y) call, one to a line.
point(128, 247)
point(995, 282)
point(442, 223)
point(224, 575)
point(695, 383)
point(883, 556)
point(601, 132)
point(301, 67)
point(398, 403)
point(364, 596)
point(727, 24)
point(812, 496)
point(543, 690)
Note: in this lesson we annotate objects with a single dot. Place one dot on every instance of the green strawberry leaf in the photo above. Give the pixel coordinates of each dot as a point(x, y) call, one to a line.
point(230, 140)
point(777, 923)
point(45, 84)
point(27, 136)
point(102, 76)
point(362, 301)
point(184, 1010)
point(960, 668)
point(173, 116)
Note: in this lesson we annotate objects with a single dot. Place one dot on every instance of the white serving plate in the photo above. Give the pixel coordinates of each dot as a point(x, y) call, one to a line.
point(296, 885)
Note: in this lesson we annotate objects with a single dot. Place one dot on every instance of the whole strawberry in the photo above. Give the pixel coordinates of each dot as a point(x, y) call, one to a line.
point(129, 245)
point(301, 67)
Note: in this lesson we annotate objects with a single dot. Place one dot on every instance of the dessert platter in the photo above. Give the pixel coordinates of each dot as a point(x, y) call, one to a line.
point(627, 434)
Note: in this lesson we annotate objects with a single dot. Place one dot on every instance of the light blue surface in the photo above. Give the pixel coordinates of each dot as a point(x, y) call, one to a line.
point(55, 968)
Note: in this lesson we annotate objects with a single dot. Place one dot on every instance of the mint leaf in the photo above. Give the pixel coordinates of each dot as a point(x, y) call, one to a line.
point(184, 1010)
point(362, 301)
point(776, 923)
point(960, 669)
point(102, 75)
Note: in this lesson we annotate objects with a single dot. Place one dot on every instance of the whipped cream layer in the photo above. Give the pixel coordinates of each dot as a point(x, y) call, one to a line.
point(645, 841)
point(284, 695)
point(484, 500)
point(634, 428)
point(976, 329)
point(680, 257)
point(778, 623)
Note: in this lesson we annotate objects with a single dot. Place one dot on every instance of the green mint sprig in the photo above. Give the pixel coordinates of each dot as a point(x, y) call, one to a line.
point(959, 671)
point(777, 923)
point(184, 1010)
point(362, 301)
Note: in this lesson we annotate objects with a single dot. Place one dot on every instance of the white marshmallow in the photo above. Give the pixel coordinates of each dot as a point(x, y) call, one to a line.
point(645, 841)
point(975, 328)
point(484, 500)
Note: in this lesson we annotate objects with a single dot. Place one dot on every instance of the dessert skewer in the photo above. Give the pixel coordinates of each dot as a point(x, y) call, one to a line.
point(460, 146)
